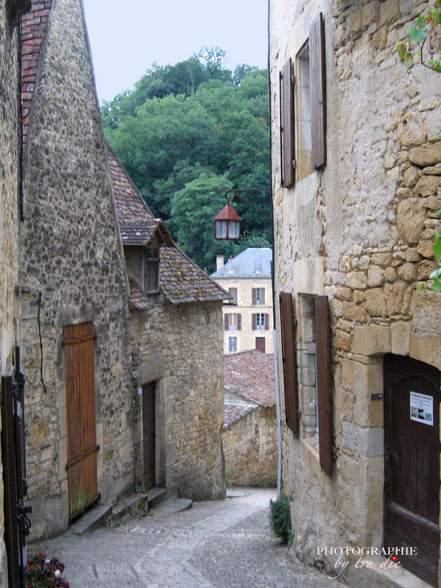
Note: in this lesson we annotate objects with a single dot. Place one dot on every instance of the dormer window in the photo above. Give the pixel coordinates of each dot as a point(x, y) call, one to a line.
point(151, 272)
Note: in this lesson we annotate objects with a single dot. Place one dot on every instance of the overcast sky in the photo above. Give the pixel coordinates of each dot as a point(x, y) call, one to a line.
point(128, 37)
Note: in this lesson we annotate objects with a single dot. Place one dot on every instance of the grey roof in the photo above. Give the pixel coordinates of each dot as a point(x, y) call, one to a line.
point(251, 263)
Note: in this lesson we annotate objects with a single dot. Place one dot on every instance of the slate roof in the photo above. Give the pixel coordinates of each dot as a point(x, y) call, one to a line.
point(254, 262)
point(180, 279)
point(250, 375)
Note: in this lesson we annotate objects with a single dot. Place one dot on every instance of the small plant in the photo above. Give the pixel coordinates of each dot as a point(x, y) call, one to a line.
point(426, 35)
point(228, 475)
point(44, 573)
point(280, 519)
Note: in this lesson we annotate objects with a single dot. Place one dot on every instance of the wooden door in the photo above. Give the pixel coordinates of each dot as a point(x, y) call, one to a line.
point(149, 435)
point(82, 449)
point(412, 458)
point(260, 344)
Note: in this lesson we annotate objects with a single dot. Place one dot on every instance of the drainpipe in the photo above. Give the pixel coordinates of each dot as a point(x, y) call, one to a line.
point(276, 371)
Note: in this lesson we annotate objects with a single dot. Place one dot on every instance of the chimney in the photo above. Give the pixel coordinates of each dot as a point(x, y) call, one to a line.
point(219, 261)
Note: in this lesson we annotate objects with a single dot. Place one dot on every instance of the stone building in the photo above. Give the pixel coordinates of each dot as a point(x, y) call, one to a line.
point(248, 317)
point(10, 149)
point(356, 161)
point(250, 424)
point(123, 366)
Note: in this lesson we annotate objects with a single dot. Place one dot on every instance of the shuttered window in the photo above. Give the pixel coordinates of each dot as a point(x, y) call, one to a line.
point(323, 381)
point(233, 293)
point(260, 321)
point(258, 296)
point(318, 92)
point(233, 321)
point(289, 362)
point(286, 93)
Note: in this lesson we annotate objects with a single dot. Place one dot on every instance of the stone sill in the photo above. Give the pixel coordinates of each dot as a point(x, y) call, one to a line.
point(311, 456)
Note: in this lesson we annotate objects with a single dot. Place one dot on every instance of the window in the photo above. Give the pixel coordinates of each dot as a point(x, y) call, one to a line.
point(309, 87)
point(151, 271)
point(315, 374)
point(233, 294)
point(258, 296)
point(233, 321)
point(232, 344)
point(260, 321)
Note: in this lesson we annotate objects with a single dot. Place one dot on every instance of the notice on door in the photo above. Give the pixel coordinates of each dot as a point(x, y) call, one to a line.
point(421, 408)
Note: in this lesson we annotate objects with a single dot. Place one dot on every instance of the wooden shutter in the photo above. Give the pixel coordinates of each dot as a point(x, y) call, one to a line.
point(323, 360)
point(253, 321)
point(262, 295)
point(318, 92)
point(239, 322)
point(266, 321)
point(233, 293)
point(226, 322)
point(286, 91)
point(253, 296)
point(289, 362)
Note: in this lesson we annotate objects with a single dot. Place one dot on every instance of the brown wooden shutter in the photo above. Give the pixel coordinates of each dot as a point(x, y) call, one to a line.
point(239, 322)
point(266, 321)
point(253, 296)
point(226, 322)
point(289, 362)
point(286, 91)
point(323, 358)
point(253, 321)
point(318, 92)
point(262, 293)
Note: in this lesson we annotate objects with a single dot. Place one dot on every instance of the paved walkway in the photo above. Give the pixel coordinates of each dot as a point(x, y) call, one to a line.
point(225, 544)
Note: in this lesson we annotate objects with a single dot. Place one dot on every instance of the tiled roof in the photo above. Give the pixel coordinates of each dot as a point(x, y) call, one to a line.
point(137, 299)
point(250, 374)
point(130, 205)
point(235, 412)
point(254, 262)
point(183, 281)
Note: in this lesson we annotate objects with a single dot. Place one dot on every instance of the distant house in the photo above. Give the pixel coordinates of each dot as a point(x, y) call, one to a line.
point(248, 320)
point(250, 425)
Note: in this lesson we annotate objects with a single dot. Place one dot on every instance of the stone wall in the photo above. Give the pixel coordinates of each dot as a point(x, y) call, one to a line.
point(9, 219)
point(250, 448)
point(179, 347)
point(71, 258)
point(360, 231)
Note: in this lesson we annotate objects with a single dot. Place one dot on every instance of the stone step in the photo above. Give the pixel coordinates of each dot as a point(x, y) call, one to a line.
point(91, 519)
point(172, 505)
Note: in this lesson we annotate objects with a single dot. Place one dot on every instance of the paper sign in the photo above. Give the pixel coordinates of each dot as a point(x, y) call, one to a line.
point(421, 408)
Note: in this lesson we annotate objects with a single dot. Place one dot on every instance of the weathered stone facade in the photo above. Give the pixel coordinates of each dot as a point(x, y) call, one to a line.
point(358, 230)
point(72, 265)
point(9, 219)
point(250, 447)
point(179, 347)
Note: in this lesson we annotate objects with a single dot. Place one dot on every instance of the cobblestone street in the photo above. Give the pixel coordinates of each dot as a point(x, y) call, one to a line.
point(214, 544)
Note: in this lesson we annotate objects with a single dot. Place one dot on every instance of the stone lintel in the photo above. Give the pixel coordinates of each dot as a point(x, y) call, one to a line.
point(152, 370)
point(371, 340)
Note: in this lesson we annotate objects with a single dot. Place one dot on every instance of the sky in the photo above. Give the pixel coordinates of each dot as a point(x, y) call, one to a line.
point(127, 37)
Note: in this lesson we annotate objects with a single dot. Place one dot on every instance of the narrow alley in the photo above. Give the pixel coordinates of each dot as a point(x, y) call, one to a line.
point(218, 544)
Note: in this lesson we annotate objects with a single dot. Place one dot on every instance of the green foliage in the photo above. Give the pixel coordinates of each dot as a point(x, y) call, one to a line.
point(196, 121)
point(280, 519)
point(426, 35)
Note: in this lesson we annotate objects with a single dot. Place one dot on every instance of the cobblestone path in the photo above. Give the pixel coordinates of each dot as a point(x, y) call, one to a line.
point(225, 544)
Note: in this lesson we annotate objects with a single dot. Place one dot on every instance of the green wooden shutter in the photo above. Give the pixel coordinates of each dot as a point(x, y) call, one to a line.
point(286, 92)
point(289, 362)
point(318, 92)
point(323, 360)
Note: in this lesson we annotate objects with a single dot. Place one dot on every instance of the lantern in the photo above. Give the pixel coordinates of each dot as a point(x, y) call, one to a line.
point(227, 223)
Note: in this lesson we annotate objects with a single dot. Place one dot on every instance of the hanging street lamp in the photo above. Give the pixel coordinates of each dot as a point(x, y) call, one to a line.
point(227, 222)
